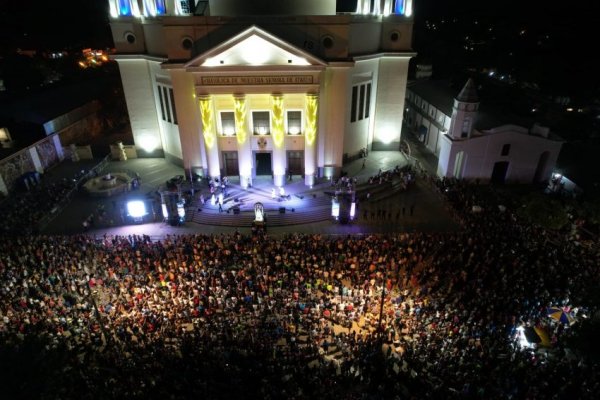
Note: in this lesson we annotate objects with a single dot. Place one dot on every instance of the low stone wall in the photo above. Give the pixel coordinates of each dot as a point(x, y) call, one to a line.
point(38, 157)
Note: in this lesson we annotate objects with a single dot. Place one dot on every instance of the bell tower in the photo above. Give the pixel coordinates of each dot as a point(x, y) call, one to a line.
point(464, 111)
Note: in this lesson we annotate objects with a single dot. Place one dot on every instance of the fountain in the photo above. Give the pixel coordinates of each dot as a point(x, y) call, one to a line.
point(108, 185)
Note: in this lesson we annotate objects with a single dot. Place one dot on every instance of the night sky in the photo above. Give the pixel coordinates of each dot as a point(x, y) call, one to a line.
point(571, 26)
point(66, 23)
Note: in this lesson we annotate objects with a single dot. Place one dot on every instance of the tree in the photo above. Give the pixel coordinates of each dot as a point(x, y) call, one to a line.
point(544, 210)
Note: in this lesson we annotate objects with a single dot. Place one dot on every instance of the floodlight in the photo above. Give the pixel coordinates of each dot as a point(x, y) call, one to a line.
point(136, 208)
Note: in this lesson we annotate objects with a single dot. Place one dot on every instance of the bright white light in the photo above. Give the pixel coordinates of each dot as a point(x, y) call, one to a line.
point(180, 210)
point(148, 143)
point(352, 210)
point(165, 212)
point(255, 51)
point(569, 109)
point(113, 9)
point(522, 339)
point(136, 208)
point(335, 208)
point(229, 131)
point(211, 62)
point(409, 8)
point(294, 130)
point(135, 10)
point(281, 191)
point(262, 130)
point(299, 60)
point(492, 73)
point(387, 136)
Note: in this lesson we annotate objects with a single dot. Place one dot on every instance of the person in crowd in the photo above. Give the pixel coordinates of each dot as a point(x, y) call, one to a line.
point(303, 316)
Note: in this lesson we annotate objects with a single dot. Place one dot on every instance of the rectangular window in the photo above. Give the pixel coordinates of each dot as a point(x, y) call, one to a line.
point(167, 108)
point(173, 109)
point(505, 149)
point(294, 122)
point(261, 122)
point(353, 106)
point(162, 102)
point(361, 104)
point(466, 127)
point(368, 101)
point(227, 123)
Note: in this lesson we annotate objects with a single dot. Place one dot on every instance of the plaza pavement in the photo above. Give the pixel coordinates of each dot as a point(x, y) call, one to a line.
point(430, 212)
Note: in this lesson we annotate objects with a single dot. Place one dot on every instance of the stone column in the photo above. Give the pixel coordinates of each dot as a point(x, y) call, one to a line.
point(311, 111)
point(243, 140)
point(278, 137)
point(209, 133)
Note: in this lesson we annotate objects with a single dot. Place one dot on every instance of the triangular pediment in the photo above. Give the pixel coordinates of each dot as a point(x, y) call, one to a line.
point(254, 47)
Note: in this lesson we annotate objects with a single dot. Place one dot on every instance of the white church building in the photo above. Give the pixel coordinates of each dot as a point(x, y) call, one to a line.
point(475, 145)
point(248, 88)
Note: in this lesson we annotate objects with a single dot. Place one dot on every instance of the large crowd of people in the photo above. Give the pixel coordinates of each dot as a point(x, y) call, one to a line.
point(403, 316)
point(24, 212)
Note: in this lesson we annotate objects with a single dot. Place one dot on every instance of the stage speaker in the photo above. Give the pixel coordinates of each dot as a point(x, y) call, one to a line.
point(281, 210)
point(236, 210)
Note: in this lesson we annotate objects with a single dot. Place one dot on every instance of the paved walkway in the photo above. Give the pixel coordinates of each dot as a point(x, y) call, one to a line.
point(429, 212)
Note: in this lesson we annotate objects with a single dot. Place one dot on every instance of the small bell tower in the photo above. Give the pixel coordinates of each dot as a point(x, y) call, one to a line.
point(464, 111)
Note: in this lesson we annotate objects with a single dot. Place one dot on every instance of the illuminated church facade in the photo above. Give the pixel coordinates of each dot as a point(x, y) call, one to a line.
point(250, 88)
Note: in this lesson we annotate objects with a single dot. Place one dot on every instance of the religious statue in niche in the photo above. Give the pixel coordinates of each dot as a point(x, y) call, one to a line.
point(262, 143)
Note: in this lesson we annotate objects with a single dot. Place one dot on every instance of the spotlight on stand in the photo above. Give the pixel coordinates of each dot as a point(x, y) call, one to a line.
point(173, 208)
point(181, 210)
point(136, 209)
point(335, 208)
